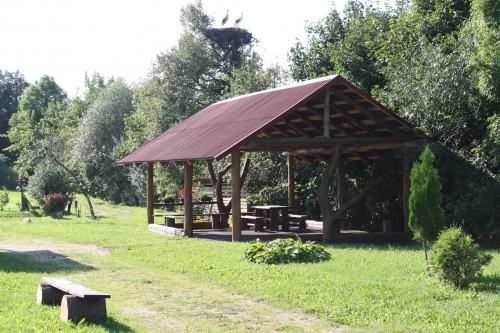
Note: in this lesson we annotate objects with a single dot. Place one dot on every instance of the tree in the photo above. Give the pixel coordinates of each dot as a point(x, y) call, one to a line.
point(190, 76)
point(32, 108)
point(12, 86)
point(426, 215)
point(100, 138)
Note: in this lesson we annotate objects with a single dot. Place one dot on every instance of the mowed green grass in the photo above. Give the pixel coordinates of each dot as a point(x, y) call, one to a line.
point(161, 283)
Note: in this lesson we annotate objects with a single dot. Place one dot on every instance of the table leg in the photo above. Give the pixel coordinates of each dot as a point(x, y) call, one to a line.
point(274, 219)
point(285, 223)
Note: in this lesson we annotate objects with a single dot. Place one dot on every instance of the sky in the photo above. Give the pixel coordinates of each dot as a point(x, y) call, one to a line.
point(121, 38)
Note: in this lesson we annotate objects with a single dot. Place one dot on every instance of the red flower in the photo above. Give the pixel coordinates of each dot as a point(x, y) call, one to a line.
point(181, 192)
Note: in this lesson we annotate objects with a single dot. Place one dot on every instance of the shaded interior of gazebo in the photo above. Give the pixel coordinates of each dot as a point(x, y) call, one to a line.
point(322, 120)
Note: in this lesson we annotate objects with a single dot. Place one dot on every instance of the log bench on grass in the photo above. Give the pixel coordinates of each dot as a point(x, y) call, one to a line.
point(77, 302)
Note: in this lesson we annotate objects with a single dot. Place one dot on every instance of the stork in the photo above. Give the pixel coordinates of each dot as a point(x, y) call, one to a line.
point(238, 20)
point(224, 20)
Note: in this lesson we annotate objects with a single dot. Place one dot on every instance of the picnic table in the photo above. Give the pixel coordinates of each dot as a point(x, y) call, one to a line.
point(274, 216)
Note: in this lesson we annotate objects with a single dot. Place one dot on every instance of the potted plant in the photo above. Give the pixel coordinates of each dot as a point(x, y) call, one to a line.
point(169, 198)
point(55, 203)
point(204, 196)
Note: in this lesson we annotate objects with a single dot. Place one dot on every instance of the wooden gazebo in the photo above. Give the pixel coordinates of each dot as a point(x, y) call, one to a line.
point(322, 120)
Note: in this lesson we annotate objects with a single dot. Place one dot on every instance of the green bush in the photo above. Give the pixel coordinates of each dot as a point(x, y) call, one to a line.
point(270, 195)
point(4, 198)
point(456, 259)
point(285, 251)
point(8, 177)
point(52, 176)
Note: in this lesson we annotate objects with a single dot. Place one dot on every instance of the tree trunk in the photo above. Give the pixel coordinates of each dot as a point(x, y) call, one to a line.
point(331, 225)
point(218, 180)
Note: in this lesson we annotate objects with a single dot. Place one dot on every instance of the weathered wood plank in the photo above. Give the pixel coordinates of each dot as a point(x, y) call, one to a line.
point(74, 289)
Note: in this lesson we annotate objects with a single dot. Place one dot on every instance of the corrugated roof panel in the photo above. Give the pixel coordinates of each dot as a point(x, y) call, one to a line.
point(217, 130)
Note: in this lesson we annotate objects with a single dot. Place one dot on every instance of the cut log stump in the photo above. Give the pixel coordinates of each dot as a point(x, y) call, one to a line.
point(47, 294)
point(76, 308)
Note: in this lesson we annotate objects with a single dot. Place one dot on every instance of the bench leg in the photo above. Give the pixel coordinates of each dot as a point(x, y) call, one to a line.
point(76, 308)
point(302, 223)
point(47, 294)
point(259, 225)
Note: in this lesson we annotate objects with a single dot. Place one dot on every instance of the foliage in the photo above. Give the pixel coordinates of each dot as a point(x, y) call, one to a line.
point(99, 140)
point(456, 259)
point(33, 106)
point(4, 198)
point(8, 176)
point(12, 86)
point(49, 177)
point(188, 77)
point(270, 195)
point(285, 251)
point(426, 215)
point(54, 202)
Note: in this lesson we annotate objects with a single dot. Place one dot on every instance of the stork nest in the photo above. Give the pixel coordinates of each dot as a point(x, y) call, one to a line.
point(229, 36)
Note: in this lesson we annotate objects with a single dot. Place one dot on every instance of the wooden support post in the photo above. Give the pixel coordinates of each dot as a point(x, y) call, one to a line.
point(150, 193)
point(406, 194)
point(291, 182)
point(188, 199)
point(326, 114)
point(342, 192)
point(235, 196)
point(46, 294)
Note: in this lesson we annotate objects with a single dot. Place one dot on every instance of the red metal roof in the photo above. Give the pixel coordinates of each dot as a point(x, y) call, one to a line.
point(220, 128)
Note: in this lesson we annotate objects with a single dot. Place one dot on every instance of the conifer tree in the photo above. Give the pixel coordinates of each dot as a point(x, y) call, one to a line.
point(426, 215)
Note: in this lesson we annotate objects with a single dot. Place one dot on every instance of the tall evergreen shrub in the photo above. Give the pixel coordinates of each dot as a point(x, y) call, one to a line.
point(426, 215)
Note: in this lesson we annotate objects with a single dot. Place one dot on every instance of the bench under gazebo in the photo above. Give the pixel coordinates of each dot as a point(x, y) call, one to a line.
point(321, 120)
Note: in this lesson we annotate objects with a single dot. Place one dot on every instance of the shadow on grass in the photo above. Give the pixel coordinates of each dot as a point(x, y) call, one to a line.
point(488, 284)
point(41, 261)
point(110, 325)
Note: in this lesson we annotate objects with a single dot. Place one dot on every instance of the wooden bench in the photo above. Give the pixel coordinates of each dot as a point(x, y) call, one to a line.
point(256, 221)
point(77, 302)
point(219, 220)
point(298, 219)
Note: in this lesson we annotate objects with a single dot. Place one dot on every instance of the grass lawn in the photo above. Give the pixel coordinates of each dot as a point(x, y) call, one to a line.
point(166, 284)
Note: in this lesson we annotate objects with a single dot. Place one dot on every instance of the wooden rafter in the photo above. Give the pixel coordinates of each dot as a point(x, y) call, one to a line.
point(308, 122)
point(367, 113)
point(335, 126)
point(352, 119)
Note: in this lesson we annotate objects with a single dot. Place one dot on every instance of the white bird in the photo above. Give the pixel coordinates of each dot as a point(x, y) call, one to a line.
point(224, 20)
point(238, 20)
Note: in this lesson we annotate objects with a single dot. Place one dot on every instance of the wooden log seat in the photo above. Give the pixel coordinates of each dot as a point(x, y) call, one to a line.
point(250, 220)
point(77, 302)
point(298, 219)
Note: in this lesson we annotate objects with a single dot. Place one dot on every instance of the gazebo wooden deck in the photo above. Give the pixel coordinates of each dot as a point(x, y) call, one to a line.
point(322, 120)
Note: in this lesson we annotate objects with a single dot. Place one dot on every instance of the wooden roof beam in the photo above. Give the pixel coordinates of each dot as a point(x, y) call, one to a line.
point(296, 129)
point(308, 122)
point(358, 123)
point(298, 143)
point(339, 128)
point(288, 137)
point(369, 114)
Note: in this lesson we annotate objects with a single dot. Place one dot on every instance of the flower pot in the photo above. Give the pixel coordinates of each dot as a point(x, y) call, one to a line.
point(168, 200)
point(205, 199)
point(57, 215)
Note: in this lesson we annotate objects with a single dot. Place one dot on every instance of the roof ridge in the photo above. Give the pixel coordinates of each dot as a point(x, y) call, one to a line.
point(293, 85)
